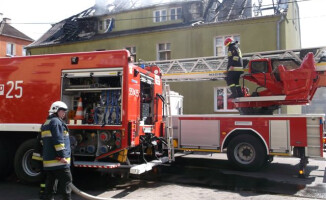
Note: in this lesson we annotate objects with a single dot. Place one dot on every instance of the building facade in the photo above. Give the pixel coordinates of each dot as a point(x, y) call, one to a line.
point(178, 30)
point(12, 41)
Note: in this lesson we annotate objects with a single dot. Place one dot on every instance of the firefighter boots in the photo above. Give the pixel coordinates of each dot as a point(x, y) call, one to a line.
point(239, 91)
point(234, 92)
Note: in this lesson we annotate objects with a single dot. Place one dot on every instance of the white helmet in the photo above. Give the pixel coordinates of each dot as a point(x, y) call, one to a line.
point(56, 106)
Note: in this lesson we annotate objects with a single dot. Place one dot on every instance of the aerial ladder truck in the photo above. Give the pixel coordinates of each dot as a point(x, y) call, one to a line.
point(251, 139)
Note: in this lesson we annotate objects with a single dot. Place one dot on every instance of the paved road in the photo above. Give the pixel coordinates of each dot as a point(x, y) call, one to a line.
point(197, 177)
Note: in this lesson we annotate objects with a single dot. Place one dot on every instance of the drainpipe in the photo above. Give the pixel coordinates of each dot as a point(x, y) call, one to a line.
point(278, 32)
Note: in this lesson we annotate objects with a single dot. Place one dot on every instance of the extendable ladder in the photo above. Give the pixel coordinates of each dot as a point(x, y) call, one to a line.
point(214, 68)
point(168, 122)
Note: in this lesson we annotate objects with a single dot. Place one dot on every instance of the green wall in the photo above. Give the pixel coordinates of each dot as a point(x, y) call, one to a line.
point(198, 96)
point(198, 41)
point(135, 19)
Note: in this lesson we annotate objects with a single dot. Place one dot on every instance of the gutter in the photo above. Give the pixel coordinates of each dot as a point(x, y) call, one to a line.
point(278, 32)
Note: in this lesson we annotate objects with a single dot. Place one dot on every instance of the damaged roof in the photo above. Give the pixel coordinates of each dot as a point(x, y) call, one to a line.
point(233, 9)
point(83, 26)
point(9, 31)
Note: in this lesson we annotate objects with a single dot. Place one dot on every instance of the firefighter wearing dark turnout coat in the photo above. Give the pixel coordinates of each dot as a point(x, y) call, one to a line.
point(37, 162)
point(234, 68)
point(56, 152)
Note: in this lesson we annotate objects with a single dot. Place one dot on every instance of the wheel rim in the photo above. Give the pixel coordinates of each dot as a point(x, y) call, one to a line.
point(244, 153)
point(26, 164)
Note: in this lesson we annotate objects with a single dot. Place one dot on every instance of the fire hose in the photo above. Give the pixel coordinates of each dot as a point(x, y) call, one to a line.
point(88, 196)
point(85, 195)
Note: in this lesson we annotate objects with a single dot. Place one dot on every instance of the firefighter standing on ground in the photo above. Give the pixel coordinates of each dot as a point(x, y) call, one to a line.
point(234, 68)
point(56, 152)
point(37, 162)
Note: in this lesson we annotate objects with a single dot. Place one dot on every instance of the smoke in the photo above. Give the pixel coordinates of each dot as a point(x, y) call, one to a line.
point(111, 6)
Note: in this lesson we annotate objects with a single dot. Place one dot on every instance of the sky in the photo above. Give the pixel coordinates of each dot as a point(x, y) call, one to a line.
point(34, 17)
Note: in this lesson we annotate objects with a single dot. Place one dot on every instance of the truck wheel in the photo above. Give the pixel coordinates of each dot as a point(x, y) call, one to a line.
point(23, 163)
point(246, 152)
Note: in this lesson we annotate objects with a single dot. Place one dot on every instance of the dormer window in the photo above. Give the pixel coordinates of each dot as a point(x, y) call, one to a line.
point(160, 16)
point(105, 25)
point(175, 13)
point(100, 25)
point(164, 15)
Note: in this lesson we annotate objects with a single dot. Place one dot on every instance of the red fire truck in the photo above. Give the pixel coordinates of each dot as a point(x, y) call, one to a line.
point(121, 124)
point(252, 138)
point(251, 141)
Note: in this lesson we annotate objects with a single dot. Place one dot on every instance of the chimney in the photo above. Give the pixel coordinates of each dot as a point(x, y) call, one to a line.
point(6, 20)
point(1, 17)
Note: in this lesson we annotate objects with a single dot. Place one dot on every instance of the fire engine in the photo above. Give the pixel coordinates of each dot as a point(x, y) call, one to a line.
point(252, 138)
point(115, 110)
point(116, 119)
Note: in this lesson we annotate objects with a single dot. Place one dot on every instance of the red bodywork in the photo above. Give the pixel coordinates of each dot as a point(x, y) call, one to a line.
point(28, 86)
point(256, 125)
point(277, 77)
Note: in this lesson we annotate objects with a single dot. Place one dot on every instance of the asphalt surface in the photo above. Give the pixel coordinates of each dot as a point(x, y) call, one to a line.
point(191, 177)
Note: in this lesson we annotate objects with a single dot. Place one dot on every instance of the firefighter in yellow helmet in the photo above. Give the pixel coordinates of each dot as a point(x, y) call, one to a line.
point(234, 67)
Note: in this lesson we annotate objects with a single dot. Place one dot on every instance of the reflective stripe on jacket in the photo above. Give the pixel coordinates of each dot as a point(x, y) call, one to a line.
point(234, 58)
point(56, 144)
point(37, 152)
point(239, 69)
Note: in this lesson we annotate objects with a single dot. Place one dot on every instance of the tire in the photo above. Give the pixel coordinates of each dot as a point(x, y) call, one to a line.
point(246, 152)
point(23, 167)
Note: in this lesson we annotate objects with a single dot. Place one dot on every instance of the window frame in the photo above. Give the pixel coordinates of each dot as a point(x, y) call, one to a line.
point(24, 51)
point(12, 49)
point(101, 25)
point(223, 37)
point(133, 52)
point(176, 16)
point(107, 23)
point(159, 18)
point(226, 92)
point(166, 50)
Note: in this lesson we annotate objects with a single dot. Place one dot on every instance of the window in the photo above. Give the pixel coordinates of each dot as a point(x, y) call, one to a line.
point(221, 103)
point(157, 16)
point(163, 15)
point(10, 49)
point(220, 49)
point(132, 51)
point(164, 51)
point(100, 25)
point(160, 16)
point(175, 13)
point(259, 67)
point(24, 52)
point(107, 23)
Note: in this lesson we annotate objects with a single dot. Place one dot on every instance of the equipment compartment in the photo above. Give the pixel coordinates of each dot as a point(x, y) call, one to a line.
point(93, 96)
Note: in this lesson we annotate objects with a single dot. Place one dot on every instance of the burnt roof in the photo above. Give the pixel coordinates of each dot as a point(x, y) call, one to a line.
point(46, 39)
point(234, 9)
point(83, 26)
point(9, 31)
